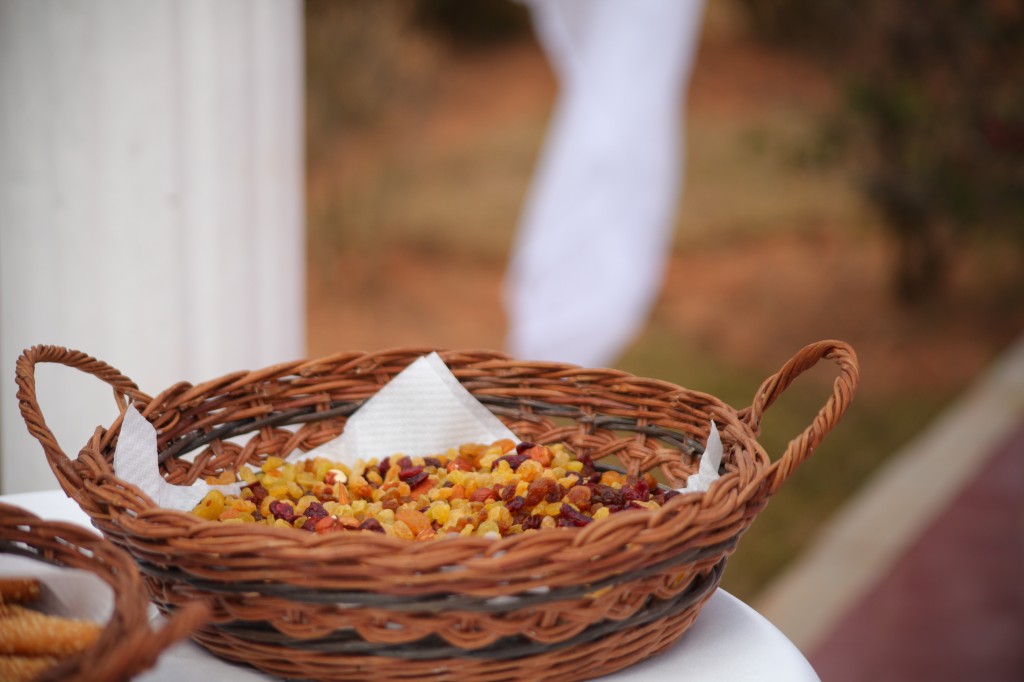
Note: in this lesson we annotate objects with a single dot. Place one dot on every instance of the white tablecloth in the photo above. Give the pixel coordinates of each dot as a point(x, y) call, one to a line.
point(729, 641)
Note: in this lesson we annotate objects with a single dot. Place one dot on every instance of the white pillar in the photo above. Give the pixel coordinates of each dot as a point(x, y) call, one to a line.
point(151, 200)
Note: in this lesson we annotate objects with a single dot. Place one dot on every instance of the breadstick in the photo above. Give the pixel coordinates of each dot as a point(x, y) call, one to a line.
point(24, 668)
point(30, 633)
point(18, 590)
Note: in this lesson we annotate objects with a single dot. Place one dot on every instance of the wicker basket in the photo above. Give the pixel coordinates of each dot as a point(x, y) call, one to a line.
point(127, 645)
point(567, 603)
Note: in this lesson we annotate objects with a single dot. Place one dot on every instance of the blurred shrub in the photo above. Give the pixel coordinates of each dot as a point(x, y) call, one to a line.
point(364, 61)
point(475, 23)
point(934, 113)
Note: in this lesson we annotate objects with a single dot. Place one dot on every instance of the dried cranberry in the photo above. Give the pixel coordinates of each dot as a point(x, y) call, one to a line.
point(524, 446)
point(315, 510)
point(588, 466)
point(506, 493)
point(416, 479)
point(636, 491)
point(515, 504)
point(371, 524)
point(514, 461)
point(383, 467)
point(432, 462)
point(406, 474)
point(532, 521)
point(310, 525)
point(606, 495)
point(405, 462)
point(259, 493)
point(573, 516)
point(282, 510)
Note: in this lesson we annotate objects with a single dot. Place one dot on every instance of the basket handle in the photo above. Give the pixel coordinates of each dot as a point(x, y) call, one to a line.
point(33, 414)
point(801, 447)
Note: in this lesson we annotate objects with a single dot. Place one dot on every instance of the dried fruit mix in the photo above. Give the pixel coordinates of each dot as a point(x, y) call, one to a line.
point(488, 490)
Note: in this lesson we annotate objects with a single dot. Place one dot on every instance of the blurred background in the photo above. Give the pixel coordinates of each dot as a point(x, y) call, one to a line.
point(863, 185)
point(854, 170)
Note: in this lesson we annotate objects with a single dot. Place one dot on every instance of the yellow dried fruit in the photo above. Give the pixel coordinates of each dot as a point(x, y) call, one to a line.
point(477, 489)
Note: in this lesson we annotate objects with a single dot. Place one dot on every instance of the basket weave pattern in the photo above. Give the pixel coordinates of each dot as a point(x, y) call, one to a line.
point(126, 646)
point(569, 603)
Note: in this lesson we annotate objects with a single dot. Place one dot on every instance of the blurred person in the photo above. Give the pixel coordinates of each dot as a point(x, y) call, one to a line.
point(594, 238)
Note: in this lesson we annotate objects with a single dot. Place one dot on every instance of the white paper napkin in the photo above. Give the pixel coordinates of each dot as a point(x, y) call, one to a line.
point(135, 461)
point(424, 410)
point(707, 472)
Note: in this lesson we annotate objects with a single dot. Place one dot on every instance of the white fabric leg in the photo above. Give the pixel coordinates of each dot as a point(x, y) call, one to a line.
point(151, 210)
point(594, 236)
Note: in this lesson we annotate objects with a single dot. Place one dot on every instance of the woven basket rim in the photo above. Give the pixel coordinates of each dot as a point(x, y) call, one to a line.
point(753, 474)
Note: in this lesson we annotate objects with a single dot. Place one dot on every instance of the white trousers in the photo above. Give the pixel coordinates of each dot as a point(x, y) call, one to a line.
point(594, 237)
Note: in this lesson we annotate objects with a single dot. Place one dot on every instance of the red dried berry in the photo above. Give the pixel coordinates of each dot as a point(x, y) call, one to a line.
point(282, 510)
point(383, 467)
point(432, 462)
point(315, 510)
point(371, 524)
point(606, 495)
point(532, 522)
point(406, 474)
point(259, 493)
point(573, 516)
point(310, 525)
point(524, 446)
point(416, 479)
point(636, 491)
point(514, 461)
point(515, 504)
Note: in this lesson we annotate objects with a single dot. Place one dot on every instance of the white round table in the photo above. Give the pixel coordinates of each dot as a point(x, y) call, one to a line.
point(729, 641)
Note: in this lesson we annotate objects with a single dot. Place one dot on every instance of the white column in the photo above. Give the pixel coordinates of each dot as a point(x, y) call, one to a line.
point(151, 200)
